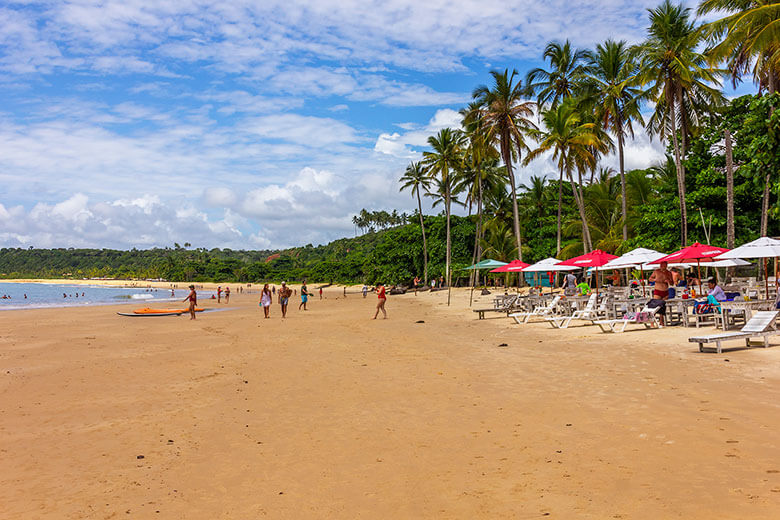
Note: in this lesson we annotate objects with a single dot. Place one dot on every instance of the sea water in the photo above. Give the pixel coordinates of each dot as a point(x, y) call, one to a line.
point(44, 295)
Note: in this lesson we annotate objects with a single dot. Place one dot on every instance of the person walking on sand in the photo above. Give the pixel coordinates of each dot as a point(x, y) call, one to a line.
point(380, 305)
point(266, 299)
point(284, 298)
point(416, 284)
point(227, 294)
point(219, 294)
point(304, 296)
point(193, 299)
point(663, 279)
point(365, 290)
point(320, 293)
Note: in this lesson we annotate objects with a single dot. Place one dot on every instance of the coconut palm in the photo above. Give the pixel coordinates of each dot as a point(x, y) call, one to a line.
point(536, 195)
point(571, 142)
point(567, 70)
point(749, 37)
point(678, 78)
point(611, 87)
point(415, 178)
point(504, 116)
point(445, 159)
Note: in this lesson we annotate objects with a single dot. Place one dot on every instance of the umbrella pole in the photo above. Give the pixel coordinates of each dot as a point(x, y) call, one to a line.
point(766, 280)
point(642, 281)
point(698, 268)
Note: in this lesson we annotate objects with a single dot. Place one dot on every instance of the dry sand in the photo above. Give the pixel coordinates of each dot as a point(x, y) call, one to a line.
point(331, 415)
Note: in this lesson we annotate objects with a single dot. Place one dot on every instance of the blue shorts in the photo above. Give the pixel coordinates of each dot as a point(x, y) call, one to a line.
point(304, 298)
point(283, 301)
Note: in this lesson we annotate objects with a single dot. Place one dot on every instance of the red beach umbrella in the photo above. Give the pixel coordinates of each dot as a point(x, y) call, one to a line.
point(512, 267)
point(594, 259)
point(696, 251)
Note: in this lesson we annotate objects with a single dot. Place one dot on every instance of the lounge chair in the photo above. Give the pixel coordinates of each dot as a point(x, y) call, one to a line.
point(542, 311)
point(647, 317)
point(507, 306)
point(587, 313)
point(761, 325)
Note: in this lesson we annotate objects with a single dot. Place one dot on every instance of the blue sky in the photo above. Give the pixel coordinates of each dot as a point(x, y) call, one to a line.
point(248, 124)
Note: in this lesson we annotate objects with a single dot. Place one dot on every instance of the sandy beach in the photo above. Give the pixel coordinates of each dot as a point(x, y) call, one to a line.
point(328, 414)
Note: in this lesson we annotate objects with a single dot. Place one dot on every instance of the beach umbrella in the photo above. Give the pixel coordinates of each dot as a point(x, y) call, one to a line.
point(698, 252)
point(512, 267)
point(486, 264)
point(763, 247)
point(635, 259)
point(547, 265)
point(595, 259)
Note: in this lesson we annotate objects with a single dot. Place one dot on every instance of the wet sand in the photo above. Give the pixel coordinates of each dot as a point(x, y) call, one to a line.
point(329, 414)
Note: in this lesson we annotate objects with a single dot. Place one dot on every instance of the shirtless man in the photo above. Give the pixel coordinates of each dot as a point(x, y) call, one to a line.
point(284, 298)
point(193, 299)
point(662, 278)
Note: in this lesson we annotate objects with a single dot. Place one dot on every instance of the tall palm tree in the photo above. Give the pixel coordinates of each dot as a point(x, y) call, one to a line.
point(504, 115)
point(536, 194)
point(442, 162)
point(678, 78)
point(416, 178)
point(571, 142)
point(611, 87)
point(567, 69)
point(748, 37)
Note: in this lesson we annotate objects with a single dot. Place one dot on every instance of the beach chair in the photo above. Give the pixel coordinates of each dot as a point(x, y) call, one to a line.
point(542, 311)
point(587, 313)
point(761, 325)
point(647, 317)
point(506, 306)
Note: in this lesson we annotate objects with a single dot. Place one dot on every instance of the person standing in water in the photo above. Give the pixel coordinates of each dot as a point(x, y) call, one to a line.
point(265, 301)
point(284, 298)
point(219, 294)
point(193, 299)
point(227, 294)
point(380, 305)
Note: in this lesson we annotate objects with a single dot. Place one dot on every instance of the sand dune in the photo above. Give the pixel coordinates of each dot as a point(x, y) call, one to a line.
point(331, 415)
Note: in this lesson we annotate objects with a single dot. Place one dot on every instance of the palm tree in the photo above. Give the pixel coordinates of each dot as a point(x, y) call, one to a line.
point(536, 194)
point(567, 69)
point(445, 159)
point(611, 87)
point(415, 178)
point(678, 75)
point(572, 142)
point(504, 115)
point(749, 37)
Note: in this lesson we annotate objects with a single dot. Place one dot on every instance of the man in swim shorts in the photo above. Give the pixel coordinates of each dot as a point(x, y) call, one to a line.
point(663, 279)
point(304, 296)
point(284, 298)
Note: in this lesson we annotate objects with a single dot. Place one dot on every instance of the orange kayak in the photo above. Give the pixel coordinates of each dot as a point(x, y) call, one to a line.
point(147, 310)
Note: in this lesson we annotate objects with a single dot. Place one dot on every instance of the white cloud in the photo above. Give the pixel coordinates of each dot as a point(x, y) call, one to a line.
point(410, 143)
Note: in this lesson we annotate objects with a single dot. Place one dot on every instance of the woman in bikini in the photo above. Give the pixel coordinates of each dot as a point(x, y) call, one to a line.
point(380, 306)
point(193, 299)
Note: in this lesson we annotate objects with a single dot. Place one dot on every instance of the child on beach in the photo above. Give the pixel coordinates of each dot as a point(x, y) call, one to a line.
point(193, 299)
point(265, 301)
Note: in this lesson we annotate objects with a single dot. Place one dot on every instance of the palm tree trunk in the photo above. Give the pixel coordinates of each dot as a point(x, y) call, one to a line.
point(765, 206)
point(680, 178)
point(506, 152)
point(479, 224)
point(624, 205)
point(558, 223)
point(729, 192)
point(449, 244)
point(683, 152)
point(585, 227)
point(581, 208)
point(425, 243)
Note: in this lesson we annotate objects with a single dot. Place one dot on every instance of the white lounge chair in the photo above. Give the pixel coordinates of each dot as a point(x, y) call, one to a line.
point(587, 313)
point(541, 311)
point(761, 325)
point(647, 317)
point(507, 306)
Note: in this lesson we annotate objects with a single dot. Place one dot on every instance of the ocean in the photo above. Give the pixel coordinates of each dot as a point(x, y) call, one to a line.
point(47, 295)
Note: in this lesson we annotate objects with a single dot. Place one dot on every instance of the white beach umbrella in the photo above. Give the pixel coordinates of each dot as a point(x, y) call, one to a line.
point(729, 262)
point(633, 259)
point(764, 247)
point(548, 264)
